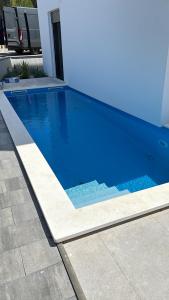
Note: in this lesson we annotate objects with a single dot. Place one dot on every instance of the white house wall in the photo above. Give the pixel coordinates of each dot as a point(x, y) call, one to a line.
point(113, 50)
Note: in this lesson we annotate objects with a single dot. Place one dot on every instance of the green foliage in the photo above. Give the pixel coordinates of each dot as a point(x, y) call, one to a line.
point(24, 3)
point(37, 73)
point(24, 71)
point(4, 3)
point(12, 72)
point(34, 3)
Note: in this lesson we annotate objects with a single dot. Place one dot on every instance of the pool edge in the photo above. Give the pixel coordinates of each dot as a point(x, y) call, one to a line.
point(64, 221)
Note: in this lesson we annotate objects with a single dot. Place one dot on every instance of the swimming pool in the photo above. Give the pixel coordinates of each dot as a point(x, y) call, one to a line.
point(97, 152)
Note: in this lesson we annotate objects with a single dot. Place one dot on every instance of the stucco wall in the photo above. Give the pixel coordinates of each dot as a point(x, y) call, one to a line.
point(115, 51)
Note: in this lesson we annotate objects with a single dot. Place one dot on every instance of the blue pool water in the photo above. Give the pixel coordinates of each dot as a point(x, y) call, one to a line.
point(97, 152)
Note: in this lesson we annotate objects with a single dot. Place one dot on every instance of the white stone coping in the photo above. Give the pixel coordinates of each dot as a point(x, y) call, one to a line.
point(64, 221)
point(34, 83)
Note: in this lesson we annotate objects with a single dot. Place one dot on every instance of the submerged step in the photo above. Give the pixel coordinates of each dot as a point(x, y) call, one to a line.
point(97, 197)
point(137, 184)
point(86, 188)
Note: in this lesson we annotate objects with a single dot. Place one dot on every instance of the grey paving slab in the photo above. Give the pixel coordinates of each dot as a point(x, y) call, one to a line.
point(7, 241)
point(6, 217)
point(2, 124)
point(15, 183)
point(2, 187)
point(162, 218)
point(11, 266)
point(39, 255)
point(9, 168)
point(7, 154)
point(45, 284)
point(8, 163)
point(21, 225)
point(2, 130)
point(8, 147)
point(141, 249)
point(15, 236)
point(13, 198)
point(99, 275)
point(24, 212)
point(59, 280)
point(29, 232)
point(5, 139)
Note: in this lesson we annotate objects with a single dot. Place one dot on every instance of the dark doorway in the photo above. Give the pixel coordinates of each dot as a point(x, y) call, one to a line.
point(57, 38)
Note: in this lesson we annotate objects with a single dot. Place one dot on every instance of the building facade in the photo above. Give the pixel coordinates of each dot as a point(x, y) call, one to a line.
point(113, 50)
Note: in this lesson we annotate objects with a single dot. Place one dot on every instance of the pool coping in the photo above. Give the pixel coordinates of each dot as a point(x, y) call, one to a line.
point(64, 220)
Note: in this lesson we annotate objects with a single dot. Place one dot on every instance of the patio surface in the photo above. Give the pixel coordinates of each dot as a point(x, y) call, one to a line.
point(127, 262)
point(30, 264)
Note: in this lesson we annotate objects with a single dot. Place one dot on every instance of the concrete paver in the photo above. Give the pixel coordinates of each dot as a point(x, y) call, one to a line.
point(99, 275)
point(6, 217)
point(50, 283)
point(37, 256)
point(24, 212)
point(137, 250)
point(11, 266)
point(31, 267)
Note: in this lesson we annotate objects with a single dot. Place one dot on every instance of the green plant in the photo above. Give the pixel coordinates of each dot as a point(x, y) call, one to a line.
point(25, 74)
point(37, 72)
point(27, 3)
point(24, 71)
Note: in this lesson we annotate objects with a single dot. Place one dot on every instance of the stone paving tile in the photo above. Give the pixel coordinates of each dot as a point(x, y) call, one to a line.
point(24, 212)
point(39, 255)
point(8, 154)
point(98, 274)
point(6, 217)
point(10, 163)
point(49, 284)
point(2, 125)
point(2, 187)
point(163, 218)
point(16, 183)
point(14, 198)
point(11, 266)
point(15, 236)
point(9, 169)
point(58, 278)
point(141, 249)
point(5, 139)
point(6, 147)
point(20, 227)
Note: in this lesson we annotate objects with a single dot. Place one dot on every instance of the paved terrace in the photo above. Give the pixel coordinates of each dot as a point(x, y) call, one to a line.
point(127, 262)
point(30, 264)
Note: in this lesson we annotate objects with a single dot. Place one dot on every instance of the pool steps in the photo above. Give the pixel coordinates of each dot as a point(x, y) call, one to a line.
point(92, 192)
point(89, 187)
